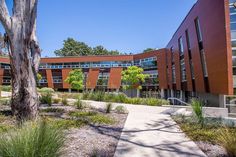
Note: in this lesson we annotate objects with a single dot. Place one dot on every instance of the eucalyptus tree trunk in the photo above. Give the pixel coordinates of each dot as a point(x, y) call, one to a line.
point(24, 55)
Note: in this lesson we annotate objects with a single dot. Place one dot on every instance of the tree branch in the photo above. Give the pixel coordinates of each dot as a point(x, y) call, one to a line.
point(4, 16)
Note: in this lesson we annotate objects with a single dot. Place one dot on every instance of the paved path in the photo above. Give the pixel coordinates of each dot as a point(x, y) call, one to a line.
point(150, 132)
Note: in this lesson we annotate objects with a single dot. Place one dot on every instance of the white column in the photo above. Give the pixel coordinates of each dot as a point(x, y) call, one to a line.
point(162, 93)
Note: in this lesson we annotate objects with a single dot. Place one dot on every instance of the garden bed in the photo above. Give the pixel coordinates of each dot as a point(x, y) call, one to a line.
point(88, 131)
point(207, 136)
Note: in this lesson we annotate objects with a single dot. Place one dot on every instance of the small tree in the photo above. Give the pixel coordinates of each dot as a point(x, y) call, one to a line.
point(133, 78)
point(39, 77)
point(76, 79)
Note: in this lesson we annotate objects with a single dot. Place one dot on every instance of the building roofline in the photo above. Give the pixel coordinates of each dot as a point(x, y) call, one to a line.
point(183, 21)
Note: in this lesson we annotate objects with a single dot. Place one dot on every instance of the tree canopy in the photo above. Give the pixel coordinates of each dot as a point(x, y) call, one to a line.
point(149, 49)
point(133, 77)
point(76, 79)
point(71, 47)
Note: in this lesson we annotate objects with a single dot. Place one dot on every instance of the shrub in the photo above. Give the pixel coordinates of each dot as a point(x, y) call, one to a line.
point(79, 104)
point(121, 109)
point(46, 98)
point(97, 96)
point(64, 101)
point(56, 100)
point(108, 107)
point(109, 97)
point(85, 96)
point(120, 98)
point(6, 88)
point(228, 140)
point(198, 111)
point(45, 90)
point(32, 140)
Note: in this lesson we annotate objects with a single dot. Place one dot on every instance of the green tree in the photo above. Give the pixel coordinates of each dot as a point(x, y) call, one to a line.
point(39, 77)
point(76, 79)
point(148, 50)
point(133, 77)
point(100, 50)
point(72, 47)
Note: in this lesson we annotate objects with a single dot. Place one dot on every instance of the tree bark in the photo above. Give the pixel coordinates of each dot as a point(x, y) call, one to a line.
point(24, 56)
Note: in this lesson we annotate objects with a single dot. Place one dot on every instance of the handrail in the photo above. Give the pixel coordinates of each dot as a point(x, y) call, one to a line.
point(179, 100)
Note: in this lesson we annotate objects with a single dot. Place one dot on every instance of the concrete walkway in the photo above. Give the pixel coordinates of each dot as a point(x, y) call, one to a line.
point(150, 132)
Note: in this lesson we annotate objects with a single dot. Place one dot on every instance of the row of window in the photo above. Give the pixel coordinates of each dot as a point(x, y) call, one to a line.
point(181, 53)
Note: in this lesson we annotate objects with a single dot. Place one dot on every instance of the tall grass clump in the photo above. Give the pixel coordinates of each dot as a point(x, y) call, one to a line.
point(108, 107)
point(79, 104)
point(46, 98)
point(121, 109)
point(197, 107)
point(32, 140)
point(64, 101)
point(227, 139)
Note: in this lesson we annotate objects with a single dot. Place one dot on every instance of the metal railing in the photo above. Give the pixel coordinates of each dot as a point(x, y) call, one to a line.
point(172, 99)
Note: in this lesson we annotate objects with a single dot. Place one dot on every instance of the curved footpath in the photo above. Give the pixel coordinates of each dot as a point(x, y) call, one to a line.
point(150, 132)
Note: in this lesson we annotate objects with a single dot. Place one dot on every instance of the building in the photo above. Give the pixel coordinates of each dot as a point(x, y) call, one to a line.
point(199, 61)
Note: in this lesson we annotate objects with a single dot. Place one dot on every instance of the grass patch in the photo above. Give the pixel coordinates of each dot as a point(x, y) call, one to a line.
point(31, 140)
point(69, 95)
point(196, 132)
point(54, 110)
point(93, 117)
point(66, 123)
point(121, 98)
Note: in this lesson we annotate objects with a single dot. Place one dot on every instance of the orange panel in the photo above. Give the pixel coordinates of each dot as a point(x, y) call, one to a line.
point(162, 69)
point(92, 78)
point(65, 74)
point(1, 75)
point(49, 78)
point(115, 78)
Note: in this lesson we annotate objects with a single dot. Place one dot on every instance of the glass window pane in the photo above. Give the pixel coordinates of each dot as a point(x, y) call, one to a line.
point(233, 43)
point(233, 18)
point(233, 34)
point(234, 61)
point(233, 26)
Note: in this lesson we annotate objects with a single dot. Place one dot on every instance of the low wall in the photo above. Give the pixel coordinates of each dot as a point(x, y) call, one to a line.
point(207, 111)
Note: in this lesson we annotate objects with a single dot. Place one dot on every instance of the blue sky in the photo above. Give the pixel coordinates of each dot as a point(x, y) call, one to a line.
point(125, 25)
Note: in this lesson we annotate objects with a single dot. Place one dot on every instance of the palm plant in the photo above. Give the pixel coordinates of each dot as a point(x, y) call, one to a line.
point(197, 107)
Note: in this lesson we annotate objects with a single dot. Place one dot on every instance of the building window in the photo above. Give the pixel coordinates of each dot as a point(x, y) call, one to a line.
point(190, 53)
point(173, 74)
point(201, 48)
point(204, 66)
point(198, 29)
point(181, 46)
point(183, 70)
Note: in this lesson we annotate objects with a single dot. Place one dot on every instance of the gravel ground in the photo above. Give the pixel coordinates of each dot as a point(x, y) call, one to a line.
point(93, 139)
point(212, 150)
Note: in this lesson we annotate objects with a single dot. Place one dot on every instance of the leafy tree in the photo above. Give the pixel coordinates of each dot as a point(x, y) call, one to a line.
point(100, 50)
point(3, 51)
point(133, 77)
point(39, 77)
point(148, 50)
point(76, 79)
point(72, 47)
point(21, 40)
